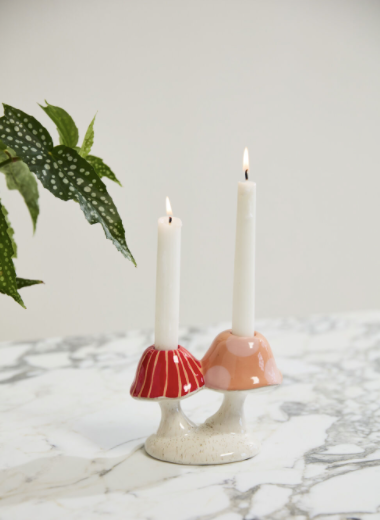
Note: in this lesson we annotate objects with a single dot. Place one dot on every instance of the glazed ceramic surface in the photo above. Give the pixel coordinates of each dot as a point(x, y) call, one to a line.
point(239, 363)
point(222, 439)
point(233, 365)
point(168, 377)
point(167, 373)
point(73, 439)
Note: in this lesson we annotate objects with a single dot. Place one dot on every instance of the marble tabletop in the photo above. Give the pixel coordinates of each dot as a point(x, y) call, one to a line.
point(72, 438)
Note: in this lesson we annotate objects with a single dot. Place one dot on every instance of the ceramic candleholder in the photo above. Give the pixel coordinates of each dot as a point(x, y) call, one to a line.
point(168, 376)
point(235, 366)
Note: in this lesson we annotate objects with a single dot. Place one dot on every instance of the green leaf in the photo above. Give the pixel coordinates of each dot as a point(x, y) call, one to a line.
point(88, 140)
point(8, 284)
point(2, 145)
point(24, 282)
point(19, 177)
point(10, 230)
point(67, 130)
point(101, 168)
point(64, 173)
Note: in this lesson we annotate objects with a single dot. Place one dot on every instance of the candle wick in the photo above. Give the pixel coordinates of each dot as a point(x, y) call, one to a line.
point(246, 175)
point(170, 220)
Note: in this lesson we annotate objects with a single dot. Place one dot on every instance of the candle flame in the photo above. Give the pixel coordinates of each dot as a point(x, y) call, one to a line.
point(169, 211)
point(245, 160)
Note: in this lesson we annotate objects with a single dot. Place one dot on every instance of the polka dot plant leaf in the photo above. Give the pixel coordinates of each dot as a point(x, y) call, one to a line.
point(88, 140)
point(10, 230)
point(19, 177)
point(63, 172)
point(67, 130)
point(8, 284)
point(101, 168)
point(25, 282)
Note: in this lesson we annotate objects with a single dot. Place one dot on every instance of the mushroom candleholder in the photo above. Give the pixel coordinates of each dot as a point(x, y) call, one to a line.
point(233, 365)
point(168, 376)
point(237, 366)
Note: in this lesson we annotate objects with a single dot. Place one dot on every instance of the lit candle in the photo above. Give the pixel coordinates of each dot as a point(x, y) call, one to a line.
point(168, 281)
point(243, 310)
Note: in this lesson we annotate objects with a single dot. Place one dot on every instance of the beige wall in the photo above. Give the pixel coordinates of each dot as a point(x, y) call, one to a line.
point(181, 88)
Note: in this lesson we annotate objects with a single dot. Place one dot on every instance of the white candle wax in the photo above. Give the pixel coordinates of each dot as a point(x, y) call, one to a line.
point(168, 283)
point(243, 310)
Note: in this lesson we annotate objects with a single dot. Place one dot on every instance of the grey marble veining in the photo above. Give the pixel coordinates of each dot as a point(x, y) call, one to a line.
point(71, 437)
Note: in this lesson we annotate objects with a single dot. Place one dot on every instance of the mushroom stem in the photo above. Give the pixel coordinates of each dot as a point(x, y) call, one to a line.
point(230, 416)
point(173, 421)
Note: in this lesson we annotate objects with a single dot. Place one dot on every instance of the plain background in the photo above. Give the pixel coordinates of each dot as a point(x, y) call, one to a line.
point(181, 87)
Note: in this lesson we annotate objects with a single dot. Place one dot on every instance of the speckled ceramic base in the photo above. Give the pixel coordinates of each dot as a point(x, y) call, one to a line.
point(222, 438)
point(203, 445)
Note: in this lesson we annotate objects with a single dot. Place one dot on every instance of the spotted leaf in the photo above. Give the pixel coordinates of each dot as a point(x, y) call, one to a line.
point(8, 284)
point(67, 130)
point(101, 168)
point(10, 231)
point(88, 140)
point(19, 177)
point(24, 282)
point(63, 172)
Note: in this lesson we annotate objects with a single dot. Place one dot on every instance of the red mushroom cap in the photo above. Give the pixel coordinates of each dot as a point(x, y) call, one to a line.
point(167, 373)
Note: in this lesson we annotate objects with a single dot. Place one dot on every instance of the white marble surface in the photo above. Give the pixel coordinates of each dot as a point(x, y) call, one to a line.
point(71, 437)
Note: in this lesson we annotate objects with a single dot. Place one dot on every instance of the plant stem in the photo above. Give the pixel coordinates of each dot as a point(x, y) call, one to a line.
point(9, 161)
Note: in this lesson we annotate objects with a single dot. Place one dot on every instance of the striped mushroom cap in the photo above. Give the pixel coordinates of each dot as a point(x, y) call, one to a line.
point(167, 373)
point(240, 363)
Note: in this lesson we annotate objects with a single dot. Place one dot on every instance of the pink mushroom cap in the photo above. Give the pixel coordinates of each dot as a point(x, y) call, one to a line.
point(240, 363)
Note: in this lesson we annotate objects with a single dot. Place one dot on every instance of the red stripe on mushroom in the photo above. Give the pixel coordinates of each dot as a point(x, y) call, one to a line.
point(152, 377)
point(195, 367)
point(183, 375)
point(159, 378)
point(191, 380)
point(138, 371)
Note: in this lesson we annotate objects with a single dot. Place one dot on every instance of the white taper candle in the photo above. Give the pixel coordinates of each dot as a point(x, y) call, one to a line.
point(168, 281)
point(243, 310)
